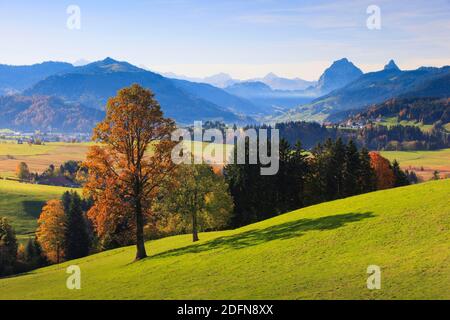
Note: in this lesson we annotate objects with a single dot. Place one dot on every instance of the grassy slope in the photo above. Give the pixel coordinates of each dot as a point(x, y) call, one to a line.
point(317, 252)
point(393, 121)
point(21, 203)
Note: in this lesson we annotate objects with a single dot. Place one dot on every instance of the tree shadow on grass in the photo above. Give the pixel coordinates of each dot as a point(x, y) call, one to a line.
point(282, 231)
point(32, 208)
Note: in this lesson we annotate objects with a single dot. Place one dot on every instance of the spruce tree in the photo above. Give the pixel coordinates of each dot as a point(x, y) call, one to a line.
point(285, 193)
point(256, 197)
point(315, 184)
point(33, 254)
point(330, 167)
point(366, 175)
point(299, 175)
point(8, 247)
point(436, 175)
point(77, 240)
point(400, 177)
point(338, 157)
point(352, 168)
point(30, 252)
point(243, 186)
point(66, 200)
point(412, 177)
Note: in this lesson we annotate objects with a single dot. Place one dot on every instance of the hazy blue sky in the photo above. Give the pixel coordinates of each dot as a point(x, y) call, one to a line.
point(246, 38)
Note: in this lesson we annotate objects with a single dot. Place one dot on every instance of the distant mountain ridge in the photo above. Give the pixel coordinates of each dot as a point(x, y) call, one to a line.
point(342, 89)
point(24, 113)
point(272, 101)
point(391, 65)
point(224, 80)
point(107, 65)
point(219, 80)
point(249, 88)
point(340, 73)
point(418, 110)
point(235, 103)
point(280, 83)
point(272, 95)
point(375, 87)
point(14, 79)
point(92, 85)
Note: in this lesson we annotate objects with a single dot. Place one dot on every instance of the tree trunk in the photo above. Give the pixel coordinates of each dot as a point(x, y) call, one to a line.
point(140, 246)
point(194, 228)
point(57, 252)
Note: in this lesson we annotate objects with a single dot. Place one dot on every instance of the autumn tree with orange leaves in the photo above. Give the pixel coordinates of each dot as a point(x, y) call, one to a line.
point(22, 171)
point(51, 230)
point(129, 166)
point(383, 170)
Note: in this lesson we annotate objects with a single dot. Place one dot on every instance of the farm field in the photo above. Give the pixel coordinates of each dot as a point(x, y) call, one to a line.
point(21, 203)
point(38, 157)
point(318, 252)
point(429, 160)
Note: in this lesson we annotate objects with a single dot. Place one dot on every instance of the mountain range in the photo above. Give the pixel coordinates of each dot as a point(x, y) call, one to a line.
point(14, 79)
point(23, 113)
point(235, 103)
point(372, 88)
point(270, 100)
point(271, 91)
point(91, 85)
point(280, 83)
point(61, 96)
point(413, 110)
point(340, 73)
point(223, 80)
point(88, 87)
point(219, 80)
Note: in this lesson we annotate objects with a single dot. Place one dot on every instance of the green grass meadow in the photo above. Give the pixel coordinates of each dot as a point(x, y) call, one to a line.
point(318, 252)
point(21, 203)
point(423, 163)
point(393, 121)
point(14, 149)
point(420, 158)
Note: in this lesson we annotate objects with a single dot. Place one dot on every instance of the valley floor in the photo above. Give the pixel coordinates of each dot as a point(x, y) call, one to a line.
point(423, 163)
point(38, 157)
